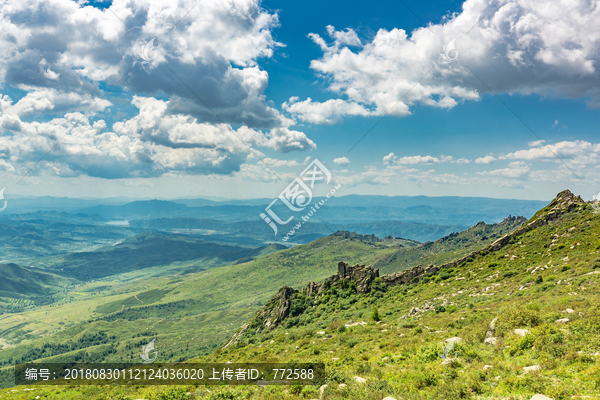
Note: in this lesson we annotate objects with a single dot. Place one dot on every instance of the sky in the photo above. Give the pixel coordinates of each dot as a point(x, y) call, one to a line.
point(163, 99)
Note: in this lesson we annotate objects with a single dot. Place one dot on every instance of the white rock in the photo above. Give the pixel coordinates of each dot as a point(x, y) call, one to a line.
point(532, 368)
point(487, 367)
point(491, 341)
point(562, 321)
point(322, 389)
point(320, 333)
point(521, 332)
point(334, 359)
point(389, 398)
point(568, 311)
point(455, 339)
point(342, 386)
point(540, 397)
point(359, 379)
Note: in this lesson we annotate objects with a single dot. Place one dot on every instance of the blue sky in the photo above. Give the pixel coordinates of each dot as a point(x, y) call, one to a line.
point(288, 82)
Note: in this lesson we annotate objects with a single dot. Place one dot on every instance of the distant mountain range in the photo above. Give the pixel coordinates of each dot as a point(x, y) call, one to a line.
point(448, 210)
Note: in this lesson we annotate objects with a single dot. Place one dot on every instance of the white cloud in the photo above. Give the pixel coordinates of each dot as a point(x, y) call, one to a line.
point(342, 161)
point(463, 161)
point(151, 143)
point(536, 143)
point(328, 112)
point(576, 152)
point(521, 46)
point(392, 159)
point(485, 160)
point(515, 170)
point(60, 56)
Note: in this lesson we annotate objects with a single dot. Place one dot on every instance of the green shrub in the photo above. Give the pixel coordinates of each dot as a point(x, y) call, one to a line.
point(515, 317)
point(375, 316)
point(440, 309)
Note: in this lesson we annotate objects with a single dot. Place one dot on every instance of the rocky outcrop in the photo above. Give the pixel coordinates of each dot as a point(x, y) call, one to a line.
point(272, 314)
point(279, 307)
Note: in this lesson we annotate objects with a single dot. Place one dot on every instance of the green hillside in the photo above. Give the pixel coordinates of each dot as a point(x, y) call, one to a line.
point(18, 280)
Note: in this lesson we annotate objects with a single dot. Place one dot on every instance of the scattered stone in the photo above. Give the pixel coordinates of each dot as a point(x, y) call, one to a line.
point(514, 257)
point(521, 332)
point(350, 324)
point(342, 386)
point(328, 336)
point(359, 379)
point(389, 398)
point(334, 359)
point(569, 311)
point(297, 347)
point(562, 321)
point(540, 397)
point(322, 389)
point(413, 311)
point(491, 329)
point(492, 341)
point(455, 339)
point(487, 367)
point(532, 368)
point(320, 333)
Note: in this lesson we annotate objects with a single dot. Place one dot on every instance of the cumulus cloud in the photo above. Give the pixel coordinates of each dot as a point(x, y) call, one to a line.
point(521, 46)
point(205, 75)
point(151, 143)
point(515, 170)
point(392, 159)
point(328, 112)
point(485, 160)
point(342, 161)
point(60, 55)
point(576, 152)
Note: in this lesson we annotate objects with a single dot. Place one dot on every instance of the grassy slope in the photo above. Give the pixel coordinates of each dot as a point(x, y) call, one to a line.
point(527, 284)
